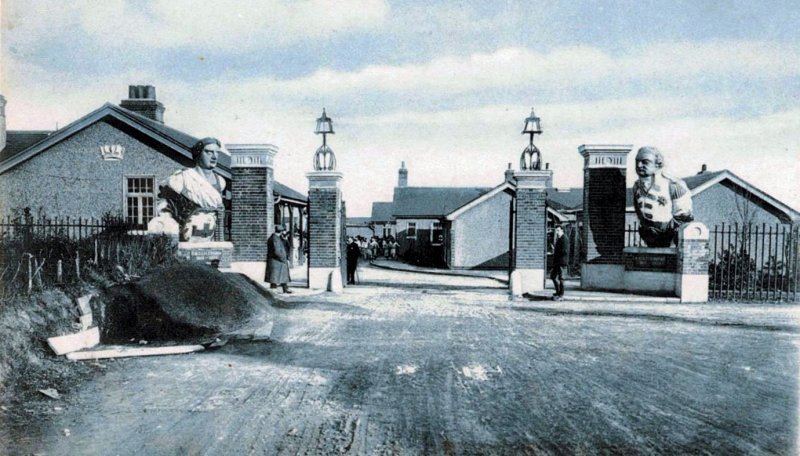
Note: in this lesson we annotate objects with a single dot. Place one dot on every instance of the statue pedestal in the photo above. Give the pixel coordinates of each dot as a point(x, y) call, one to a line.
point(215, 254)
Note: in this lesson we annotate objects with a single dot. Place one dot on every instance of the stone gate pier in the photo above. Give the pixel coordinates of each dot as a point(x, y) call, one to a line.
point(607, 264)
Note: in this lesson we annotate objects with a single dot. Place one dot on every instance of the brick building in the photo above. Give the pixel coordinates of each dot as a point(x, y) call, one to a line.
point(109, 161)
point(474, 221)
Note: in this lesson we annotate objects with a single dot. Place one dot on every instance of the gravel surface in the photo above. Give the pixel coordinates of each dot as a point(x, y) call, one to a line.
point(411, 364)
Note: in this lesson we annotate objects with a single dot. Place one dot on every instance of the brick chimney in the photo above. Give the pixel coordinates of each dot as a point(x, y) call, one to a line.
point(2, 122)
point(142, 101)
point(703, 169)
point(402, 175)
point(509, 174)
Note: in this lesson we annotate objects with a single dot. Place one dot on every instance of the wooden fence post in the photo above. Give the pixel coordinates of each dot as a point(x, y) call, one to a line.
point(78, 264)
point(59, 273)
point(30, 272)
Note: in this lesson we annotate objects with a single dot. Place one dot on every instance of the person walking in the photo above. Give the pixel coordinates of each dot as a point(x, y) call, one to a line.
point(278, 260)
point(560, 251)
point(353, 252)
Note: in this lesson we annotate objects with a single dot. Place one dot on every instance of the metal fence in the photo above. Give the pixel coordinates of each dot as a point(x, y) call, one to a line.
point(67, 227)
point(754, 262)
point(748, 262)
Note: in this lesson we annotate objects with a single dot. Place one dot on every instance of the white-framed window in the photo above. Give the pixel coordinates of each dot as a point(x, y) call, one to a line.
point(411, 230)
point(139, 200)
point(437, 233)
point(387, 231)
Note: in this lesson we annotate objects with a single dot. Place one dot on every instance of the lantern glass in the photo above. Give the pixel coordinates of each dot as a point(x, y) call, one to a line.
point(324, 124)
point(533, 124)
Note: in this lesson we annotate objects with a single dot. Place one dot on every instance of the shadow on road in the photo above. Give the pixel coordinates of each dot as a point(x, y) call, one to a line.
point(655, 317)
point(424, 287)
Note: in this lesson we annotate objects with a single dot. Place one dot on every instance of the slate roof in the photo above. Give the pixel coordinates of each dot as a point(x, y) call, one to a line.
point(287, 192)
point(699, 179)
point(358, 221)
point(19, 140)
point(432, 201)
point(178, 136)
point(382, 211)
point(565, 199)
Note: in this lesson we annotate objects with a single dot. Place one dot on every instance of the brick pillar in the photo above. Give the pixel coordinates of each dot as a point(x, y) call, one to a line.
point(604, 188)
point(251, 204)
point(693, 258)
point(324, 229)
point(531, 231)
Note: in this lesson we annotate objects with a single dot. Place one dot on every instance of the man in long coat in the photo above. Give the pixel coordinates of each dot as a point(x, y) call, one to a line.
point(560, 254)
point(278, 260)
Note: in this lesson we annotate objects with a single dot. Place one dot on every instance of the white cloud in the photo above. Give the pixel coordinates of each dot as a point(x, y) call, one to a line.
point(232, 25)
point(565, 67)
point(469, 145)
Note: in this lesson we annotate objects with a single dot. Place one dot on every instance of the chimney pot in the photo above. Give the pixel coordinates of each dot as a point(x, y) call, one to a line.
point(2, 122)
point(402, 175)
point(142, 101)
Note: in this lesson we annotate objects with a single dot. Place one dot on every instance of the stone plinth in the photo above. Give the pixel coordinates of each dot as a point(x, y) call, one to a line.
point(604, 188)
point(216, 254)
point(251, 200)
point(694, 255)
point(324, 230)
point(650, 270)
point(530, 231)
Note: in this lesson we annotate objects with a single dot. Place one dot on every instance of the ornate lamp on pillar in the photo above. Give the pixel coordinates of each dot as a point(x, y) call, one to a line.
point(324, 159)
point(324, 215)
point(530, 223)
point(531, 159)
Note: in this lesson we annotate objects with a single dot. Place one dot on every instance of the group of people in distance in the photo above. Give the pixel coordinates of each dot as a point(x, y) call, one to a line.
point(376, 247)
point(662, 203)
point(359, 247)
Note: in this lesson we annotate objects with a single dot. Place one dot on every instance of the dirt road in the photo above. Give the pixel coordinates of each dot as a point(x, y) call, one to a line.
point(448, 367)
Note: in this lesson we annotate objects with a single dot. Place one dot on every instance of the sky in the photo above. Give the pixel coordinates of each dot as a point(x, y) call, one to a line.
point(444, 86)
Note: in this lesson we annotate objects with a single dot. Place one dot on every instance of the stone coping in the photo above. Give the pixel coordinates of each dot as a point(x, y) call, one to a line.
point(205, 245)
point(651, 250)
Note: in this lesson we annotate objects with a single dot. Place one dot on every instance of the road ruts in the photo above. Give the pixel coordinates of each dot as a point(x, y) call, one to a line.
point(445, 366)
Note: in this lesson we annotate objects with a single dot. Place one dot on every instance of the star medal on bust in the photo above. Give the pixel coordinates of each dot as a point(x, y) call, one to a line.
point(662, 201)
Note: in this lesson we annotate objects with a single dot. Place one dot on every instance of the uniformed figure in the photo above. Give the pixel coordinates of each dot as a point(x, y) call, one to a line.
point(662, 203)
point(560, 253)
point(353, 252)
point(278, 260)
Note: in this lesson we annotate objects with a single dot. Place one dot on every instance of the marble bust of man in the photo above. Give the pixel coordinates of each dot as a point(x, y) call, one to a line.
point(662, 202)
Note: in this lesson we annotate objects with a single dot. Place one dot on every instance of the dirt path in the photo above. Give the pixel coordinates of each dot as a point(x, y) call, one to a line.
point(447, 367)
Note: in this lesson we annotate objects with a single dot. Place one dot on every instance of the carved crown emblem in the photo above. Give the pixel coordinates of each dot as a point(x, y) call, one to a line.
point(112, 151)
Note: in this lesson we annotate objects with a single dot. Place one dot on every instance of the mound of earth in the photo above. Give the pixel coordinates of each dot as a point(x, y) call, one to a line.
point(185, 300)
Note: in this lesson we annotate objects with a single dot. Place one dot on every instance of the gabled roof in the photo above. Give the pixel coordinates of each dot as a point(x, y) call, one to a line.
point(426, 202)
point(562, 199)
point(506, 186)
point(358, 221)
point(287, 193)
point(173, 140)
point(19, 140)
point(382, 212)
point(701, 182)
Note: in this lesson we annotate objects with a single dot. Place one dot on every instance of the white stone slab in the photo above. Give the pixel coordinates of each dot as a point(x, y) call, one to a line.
point(83, 304)
point(692, 287)
point(62, 345)
point(530, 280)
point(123, 352)
point(85, 321)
